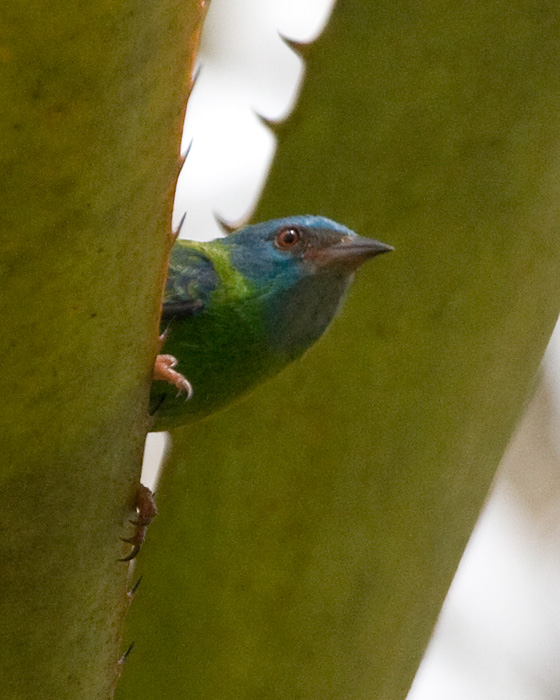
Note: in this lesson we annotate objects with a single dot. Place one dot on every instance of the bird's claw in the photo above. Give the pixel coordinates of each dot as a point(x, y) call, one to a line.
point(134, 553)
point(163, 371)
point(147, 511)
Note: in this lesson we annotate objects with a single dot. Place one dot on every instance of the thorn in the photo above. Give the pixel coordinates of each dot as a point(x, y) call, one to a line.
point(132, 592)
point(185, 155)
point(177, 231)
point(273, 125)
point(226, 226)
point(181, 223)
point(298, 47)
point(195, 77)
point(126, 654)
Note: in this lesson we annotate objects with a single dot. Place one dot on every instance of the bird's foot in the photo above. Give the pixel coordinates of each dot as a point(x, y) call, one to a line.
point(163, 371)
point(147, 511)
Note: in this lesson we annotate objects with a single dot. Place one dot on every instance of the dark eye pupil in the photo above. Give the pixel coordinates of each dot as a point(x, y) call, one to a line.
point(288, 237)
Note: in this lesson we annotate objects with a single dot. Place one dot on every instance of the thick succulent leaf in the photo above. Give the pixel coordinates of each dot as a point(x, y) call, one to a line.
point(91, 113)
point(308, 536)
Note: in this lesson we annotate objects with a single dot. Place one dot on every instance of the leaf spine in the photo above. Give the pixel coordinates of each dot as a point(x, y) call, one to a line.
point(300, 48)
point(227, 227)
point(277, 127)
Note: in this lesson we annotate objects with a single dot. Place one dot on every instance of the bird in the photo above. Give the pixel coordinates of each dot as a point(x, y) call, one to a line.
point(239, 309)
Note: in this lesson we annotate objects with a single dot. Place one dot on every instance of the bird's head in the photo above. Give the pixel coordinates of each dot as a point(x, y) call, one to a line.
point(282, 251)
point(301, 267)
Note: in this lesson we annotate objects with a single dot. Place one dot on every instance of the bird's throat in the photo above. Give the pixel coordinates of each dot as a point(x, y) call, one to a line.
point(296, 317)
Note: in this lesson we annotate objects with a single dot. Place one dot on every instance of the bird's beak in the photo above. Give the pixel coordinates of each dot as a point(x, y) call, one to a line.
point(350, 252)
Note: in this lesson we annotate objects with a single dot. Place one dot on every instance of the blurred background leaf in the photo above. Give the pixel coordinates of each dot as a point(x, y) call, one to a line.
point(309, 535)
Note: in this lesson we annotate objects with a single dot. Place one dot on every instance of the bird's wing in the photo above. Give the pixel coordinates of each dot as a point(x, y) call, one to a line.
point(191, 279)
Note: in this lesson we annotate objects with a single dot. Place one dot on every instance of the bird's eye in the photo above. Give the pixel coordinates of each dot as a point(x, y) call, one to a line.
point(288, 237)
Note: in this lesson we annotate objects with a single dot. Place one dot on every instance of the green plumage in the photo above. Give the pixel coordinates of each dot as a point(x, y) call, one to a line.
point(239, 309)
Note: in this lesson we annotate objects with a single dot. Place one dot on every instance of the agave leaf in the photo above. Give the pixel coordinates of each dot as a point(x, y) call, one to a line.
point(91, 115)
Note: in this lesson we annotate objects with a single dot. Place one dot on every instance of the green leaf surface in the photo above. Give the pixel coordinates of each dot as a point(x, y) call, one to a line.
point(308, 536)
point(91, 114)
